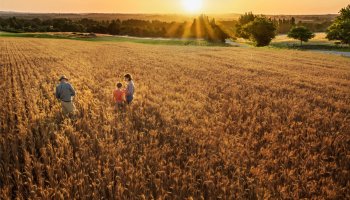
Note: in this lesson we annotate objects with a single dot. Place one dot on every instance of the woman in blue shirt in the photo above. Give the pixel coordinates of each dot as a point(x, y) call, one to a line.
point(130, 88)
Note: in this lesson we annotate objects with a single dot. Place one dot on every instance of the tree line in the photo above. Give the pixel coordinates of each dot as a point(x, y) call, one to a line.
point(261, 30)
point(283, 25)
point(201, 27)
point(257, 28)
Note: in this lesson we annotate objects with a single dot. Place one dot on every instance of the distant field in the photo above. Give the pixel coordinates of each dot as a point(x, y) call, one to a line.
point(319, 42)
point(207, 122)
point(109, 38)
point(319, 38)
point(281, 41)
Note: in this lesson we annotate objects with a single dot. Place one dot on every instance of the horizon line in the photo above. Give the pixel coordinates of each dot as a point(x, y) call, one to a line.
point(155, 13)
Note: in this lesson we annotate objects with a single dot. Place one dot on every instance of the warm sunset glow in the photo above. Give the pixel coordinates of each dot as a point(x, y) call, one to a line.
point(192, 5)
point(176, 6)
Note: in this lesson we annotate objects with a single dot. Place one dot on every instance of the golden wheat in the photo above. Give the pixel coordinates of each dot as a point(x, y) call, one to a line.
point(207, 123)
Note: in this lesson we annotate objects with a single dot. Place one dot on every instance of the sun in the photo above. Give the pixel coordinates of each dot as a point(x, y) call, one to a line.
point(192, 5)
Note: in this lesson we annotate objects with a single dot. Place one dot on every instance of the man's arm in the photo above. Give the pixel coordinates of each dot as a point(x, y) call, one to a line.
point(57, 94)
point(72, 90)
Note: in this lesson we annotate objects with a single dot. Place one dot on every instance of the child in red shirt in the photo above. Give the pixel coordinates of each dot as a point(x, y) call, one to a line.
point(119, 97)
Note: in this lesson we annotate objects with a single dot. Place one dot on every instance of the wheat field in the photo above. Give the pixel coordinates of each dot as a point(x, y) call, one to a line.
point(206, 123)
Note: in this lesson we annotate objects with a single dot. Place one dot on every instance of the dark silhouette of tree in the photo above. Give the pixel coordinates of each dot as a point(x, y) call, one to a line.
point(243, 20)
point(204, 28)
point(340, 29)
point(261, 31)
point(292, 21)
point(301, 33)
point(114, 27)
point(201, 28)
point(194, 29)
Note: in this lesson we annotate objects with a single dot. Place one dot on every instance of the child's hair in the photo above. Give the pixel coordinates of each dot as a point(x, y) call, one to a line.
point(128, 76)
point(119, 85)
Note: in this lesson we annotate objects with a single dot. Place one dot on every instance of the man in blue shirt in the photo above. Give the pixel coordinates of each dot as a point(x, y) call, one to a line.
point(65, 93)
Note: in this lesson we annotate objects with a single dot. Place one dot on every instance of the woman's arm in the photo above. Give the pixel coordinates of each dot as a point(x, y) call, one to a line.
point(130, 89)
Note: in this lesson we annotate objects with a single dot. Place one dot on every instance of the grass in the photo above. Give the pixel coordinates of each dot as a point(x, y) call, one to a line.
point(319, 42)
point(154, 41)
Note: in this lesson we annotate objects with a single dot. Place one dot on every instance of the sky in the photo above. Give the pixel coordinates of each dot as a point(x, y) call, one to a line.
point(176, 6)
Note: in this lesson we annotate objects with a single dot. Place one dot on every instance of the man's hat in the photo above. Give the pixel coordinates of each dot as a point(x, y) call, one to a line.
point(63, 77)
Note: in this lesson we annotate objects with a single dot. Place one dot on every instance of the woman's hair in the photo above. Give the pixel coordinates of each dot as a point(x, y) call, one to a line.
point(128, 76)
point(119, 85)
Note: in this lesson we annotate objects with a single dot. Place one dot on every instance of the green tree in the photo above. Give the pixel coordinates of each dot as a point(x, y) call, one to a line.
point(261, 31)
point(292, 21)
point(204, 28)
point(243, 20)
point(301, 33)
point(340, 29)
point(114, 27)
point(219, 33)
point(194, 31)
